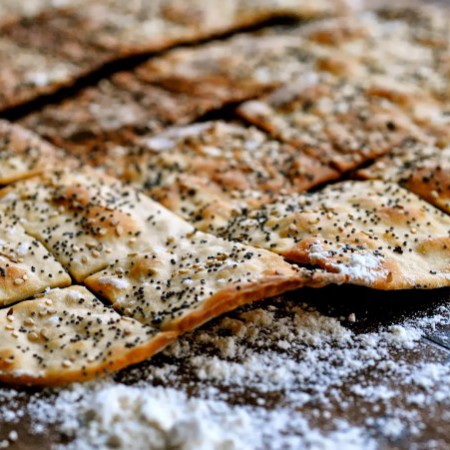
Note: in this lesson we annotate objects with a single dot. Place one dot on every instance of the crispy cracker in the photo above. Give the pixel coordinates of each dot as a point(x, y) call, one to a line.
point(191, 280)
point(377, 234)
point(424, 170)
point(336, 121)
point(207, 171)
point(87, 220)
point(68, 335)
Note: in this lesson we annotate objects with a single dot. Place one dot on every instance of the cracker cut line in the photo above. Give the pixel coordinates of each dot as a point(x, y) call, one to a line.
point(190, 281)
point(377, 234)
point(68, 335)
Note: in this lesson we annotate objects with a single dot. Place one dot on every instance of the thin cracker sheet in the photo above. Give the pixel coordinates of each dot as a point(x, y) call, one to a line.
point(68, 335)
point(42, 53)
point(214, 167)
point(377, 234)
point(424, 170)
point(189, 281)
point(336, 121)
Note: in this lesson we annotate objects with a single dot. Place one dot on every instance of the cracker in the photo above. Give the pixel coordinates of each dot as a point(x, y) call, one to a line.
point(103, 118)
point(336, 121)
point(87, 220)
point(26, 267)
point(233, 157)
point(377, 234)
point(152, 26)
point(191, 280)
point(424, 170)
point(23, 154)
point(68, 335)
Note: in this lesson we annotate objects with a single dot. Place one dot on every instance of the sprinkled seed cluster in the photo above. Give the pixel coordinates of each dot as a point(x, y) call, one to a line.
point(195, 272)
point(375, 233)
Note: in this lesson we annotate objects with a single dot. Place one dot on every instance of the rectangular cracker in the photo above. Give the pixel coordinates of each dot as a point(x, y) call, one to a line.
point(68, 335)
point(424, 170)
point(336, 121)
point(23, 154)
point(187, 282)
point(377, 234)
point(26, 267)
point(233, 157)
point(87, 220)
point(102, 119)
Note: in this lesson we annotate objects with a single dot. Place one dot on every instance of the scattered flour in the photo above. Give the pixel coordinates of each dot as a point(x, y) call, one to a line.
point(282, 376)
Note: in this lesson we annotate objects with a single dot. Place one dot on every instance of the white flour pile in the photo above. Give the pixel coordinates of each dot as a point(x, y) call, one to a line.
point(299, 370)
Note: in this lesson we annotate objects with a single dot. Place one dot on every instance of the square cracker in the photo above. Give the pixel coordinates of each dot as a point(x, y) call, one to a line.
point(26, 267)
point(377, 234)
point(68, 335)
point(87, 220)
point(191, 280)
point(337, 122)
point(424, 170)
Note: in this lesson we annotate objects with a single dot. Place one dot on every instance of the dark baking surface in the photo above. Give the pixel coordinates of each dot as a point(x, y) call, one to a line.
point(371, 308)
